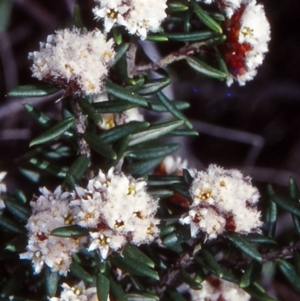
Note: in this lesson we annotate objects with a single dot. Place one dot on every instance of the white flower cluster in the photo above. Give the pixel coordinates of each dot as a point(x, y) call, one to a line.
point(2, 189)
point(137, 16)
point(215, 289)
point(74, 59)
point(116, 209)
point(76, 293)
point(223, 200)
point(172, 165)
point(51, 210)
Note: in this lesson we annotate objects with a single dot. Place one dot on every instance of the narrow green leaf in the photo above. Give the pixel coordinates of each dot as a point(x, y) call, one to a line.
point(293, 189)
point(51, 168)
point(170, 240)
point(131, 252)
point(212, 263)
point(5, 13)
point(154, 86)
point(113, 106)
point(289, 272)
point(172, 109)
point(152, 152)
point(174, 295)
point(221, 61)
point(287, 204)
point(122, 93)
point(102, 285)
point(296, 262)
point(31, 175)
point(260, 239)
point(157, 106)
point(155, 132)
point(90, 111)
point(38, 90)
point(245, 246)
point(134, 268)
point(163, 180)
point(184, 132)
point(99, 146)
point(161, 193)
point(39, 116)
point(177, 6)
point(246, 277)
point(117, 35)
point(192, 36)
point(123, 130)
point(78, 271)
point(257, 294)
point(121, 50)
point(18, 209)
point(9, 225)
point(121, 147)
point(205, 69)
point(217, 16)
point(70, 231)
point(141, 297)
point(17, 245)
point(77, 17)
point(144, 167)
point(157, 38)
point(270, 213)
point(78, 168)
point(117, 291)
point(189, 280)
point(54, 132)
point(51, 281)
point(165, 230)
point(205, 18)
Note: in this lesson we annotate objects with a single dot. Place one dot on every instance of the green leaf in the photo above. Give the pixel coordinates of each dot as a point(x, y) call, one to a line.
point(102, 285)
point(144, 167)
point(155, 132)
point(134, 268)
point(154, 86)
point(161, 193)
point(51, 168)
point(131, 252)
point(217, 16)
point(177, 6)
point(212, 263)
point(51, 281)
point(117, 35)
point(117, 291)
point(123, 130)
point(183, 132)
point(296, 262)
point(39, 116)
point(257, 294)
point(173, 110)
point(78, 271)
point(121, 50)
point(122, 93)
point(18, 209)
point(294, 194)
point(17, 245)
point(11, 226)
point(205, 69)
point(152, 152)
point(113, 106)
point(205, 18)
point(165, 230)
point(141, 297)
point(38, 90)
point(245, 246)
point(192, 36)
point(77, 17)
point(70, 231)
point(289, 272)
point(163, 180)
point(157, 106)
point(54, 132)
point(270, 213)
point(246, 277)
point(76, 170)
point(5, 13)
point(189, 280)
point(221, 61)
point(157, 38)
point(287, 204)
point(30, 174)
point(260, 239)
point(90, 111)
point(174, 295)
point(99, 146)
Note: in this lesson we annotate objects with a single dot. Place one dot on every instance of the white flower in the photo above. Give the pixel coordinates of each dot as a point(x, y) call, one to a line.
point(248, 35)
point(2, 189)
point(50, 210)
point(137, 16)
point(117, 209)
point(76, 293)
point(215, 289)
point(74, 59)
point(223, 200)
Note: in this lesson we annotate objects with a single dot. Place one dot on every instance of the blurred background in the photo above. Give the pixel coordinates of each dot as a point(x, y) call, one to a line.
point(255, 128)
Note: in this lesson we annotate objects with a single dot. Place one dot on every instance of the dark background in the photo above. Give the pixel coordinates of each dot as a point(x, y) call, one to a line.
point(255, 128)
